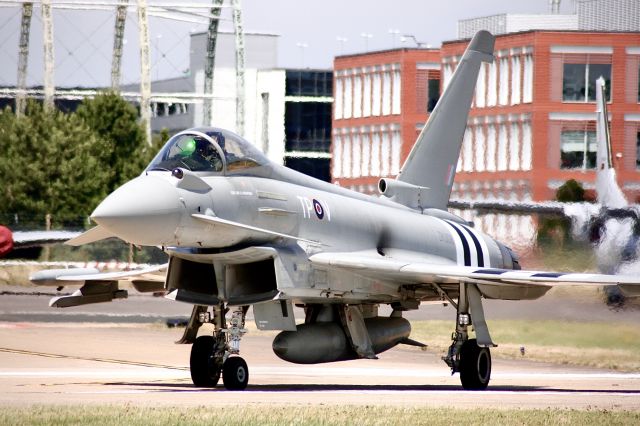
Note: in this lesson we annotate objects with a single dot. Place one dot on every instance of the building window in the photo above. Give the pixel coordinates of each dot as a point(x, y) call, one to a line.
point(308, 83)
point(397, 90)
point(638, 150)
point(434, 93)
point(386, 93)
point(578, 149)
point(314, 167)
point(308, 126)
point(427, 90)
point(336, 160)
point(357, 96)
point(338, 101)
point(579, 81)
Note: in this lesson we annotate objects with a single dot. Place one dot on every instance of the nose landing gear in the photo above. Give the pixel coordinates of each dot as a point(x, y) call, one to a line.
point(211, 356)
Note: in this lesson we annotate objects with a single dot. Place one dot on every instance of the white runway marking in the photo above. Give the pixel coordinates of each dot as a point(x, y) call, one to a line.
point(102, 374)
point(392, 372)
point(160, 372)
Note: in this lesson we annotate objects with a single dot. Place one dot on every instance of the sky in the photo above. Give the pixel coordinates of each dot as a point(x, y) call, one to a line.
point(309, 34)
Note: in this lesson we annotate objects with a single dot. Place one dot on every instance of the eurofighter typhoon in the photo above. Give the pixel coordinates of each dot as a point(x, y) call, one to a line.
point(241, 232)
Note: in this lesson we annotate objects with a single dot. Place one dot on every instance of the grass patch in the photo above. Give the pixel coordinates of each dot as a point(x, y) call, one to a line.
point(594, 344)
point(307, 415)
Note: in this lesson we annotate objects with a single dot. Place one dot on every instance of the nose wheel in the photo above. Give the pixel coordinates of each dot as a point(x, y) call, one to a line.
point(205, 368)
point(235, 373)
point(211, 356)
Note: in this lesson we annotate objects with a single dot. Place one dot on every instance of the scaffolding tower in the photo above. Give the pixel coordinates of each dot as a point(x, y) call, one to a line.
point(196, 12)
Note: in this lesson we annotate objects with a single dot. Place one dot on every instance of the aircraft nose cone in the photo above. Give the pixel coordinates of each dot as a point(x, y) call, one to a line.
point(144, 211)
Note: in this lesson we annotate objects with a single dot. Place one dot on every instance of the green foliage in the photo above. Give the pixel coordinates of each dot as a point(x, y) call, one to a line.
point(301, 414)
point(159, 139)
point(115, 120)
point(51, 162)
point(557, 230)
point(65, 164)
point(570, 192)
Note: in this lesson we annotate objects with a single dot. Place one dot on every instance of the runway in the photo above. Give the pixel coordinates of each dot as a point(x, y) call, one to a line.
point(47, 363)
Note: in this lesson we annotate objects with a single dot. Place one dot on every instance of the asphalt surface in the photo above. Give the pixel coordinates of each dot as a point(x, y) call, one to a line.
point(83, 364)
point(123, 352)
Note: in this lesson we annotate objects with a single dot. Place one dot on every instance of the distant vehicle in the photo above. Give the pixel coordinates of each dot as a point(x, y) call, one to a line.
point(616, 219)
point(6, 241)
point(612, 225)
point(242, 231)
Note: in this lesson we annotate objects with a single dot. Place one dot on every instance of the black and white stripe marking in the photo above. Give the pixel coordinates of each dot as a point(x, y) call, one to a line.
point(471, 248)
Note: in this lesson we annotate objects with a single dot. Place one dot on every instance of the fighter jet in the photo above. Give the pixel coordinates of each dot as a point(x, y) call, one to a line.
point(614, 228)
point(244, 232)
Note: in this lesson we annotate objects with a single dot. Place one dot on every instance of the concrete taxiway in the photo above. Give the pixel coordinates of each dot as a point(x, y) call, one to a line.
point(73, 363)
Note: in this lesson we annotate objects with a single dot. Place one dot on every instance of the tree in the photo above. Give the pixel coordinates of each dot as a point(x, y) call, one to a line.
point(51, 163)
point(570, 191)
point(116, 120)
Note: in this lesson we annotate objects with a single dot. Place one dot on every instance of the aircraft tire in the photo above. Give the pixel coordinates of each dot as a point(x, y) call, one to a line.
point(475, 366)
point(235, 373)
point(205, 372)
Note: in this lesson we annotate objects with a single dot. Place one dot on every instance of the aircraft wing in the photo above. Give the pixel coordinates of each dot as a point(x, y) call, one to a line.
point(57, 277)
point(97, 286)
point(24, 239)
point(548, 207)
point(496, 281)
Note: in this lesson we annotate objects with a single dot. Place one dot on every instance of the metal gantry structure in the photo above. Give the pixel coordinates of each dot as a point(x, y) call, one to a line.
point(118, 41)
point(210, 59)
point(23, 57)
point(201, 13)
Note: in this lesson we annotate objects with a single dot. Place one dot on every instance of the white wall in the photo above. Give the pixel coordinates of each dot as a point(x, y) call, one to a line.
point(224, 106)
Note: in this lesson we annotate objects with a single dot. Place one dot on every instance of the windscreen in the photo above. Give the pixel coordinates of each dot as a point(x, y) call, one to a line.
point(220, 151)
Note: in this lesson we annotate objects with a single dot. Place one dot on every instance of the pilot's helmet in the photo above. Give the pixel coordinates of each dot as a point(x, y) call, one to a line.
point(202, 146)
point(187, 147)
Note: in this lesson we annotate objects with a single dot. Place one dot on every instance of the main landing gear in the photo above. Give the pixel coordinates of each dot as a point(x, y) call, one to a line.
point(470, 357)
point(215, 356)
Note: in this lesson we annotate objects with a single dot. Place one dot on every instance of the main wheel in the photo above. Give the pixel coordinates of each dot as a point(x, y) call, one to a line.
point(205, 371)
point(475, 366)
point(235, 373)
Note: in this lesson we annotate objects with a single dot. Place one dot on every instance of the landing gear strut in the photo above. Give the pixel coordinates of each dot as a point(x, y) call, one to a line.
point(211, 356)
point(470, 357)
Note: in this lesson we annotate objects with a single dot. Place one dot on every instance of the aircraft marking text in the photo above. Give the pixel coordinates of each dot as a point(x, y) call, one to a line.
point(318, 207)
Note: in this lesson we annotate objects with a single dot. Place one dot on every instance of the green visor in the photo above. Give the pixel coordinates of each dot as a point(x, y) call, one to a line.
point(187, 147)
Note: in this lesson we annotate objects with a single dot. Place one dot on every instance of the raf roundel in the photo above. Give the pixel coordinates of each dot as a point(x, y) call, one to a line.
point(318, 208)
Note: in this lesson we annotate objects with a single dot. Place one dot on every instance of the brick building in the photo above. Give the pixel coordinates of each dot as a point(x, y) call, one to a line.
point(381, 101)
point(532, 123)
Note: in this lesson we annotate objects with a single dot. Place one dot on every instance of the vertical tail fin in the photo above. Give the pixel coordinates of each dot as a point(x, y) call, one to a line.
point(433, 159)
point(608, 192)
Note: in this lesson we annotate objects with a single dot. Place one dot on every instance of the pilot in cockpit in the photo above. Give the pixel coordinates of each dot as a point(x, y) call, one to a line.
point(206, 156)
point(220, 140)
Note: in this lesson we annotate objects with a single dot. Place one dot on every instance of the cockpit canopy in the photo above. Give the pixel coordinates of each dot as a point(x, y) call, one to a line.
point(209, 150)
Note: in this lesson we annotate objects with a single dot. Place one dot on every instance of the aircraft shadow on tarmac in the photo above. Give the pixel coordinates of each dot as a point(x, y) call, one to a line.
point(277, 388)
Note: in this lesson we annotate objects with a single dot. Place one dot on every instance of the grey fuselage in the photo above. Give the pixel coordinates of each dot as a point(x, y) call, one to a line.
point(326, 217)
